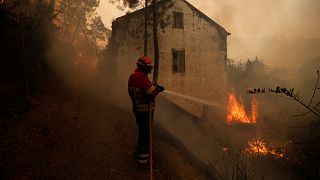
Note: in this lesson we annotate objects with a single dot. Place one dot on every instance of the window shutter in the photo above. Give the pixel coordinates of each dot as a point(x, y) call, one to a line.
point(181, 20)
point(174, 61)
point(177, 20)
point(182, 61)
point(178, 61)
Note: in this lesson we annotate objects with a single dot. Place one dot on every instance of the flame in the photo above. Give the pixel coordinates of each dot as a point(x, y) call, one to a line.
point(254, 109)
point(257, 146)
point(237, 112)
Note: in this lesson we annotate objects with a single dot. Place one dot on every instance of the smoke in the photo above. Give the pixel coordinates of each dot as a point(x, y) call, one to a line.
point(281, 32)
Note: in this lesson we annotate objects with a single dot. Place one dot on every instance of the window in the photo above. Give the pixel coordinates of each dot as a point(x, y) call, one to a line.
point(178, 61)
point(177, 20)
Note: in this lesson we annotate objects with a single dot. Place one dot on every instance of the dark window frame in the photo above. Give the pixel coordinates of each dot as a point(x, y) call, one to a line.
point(178, 61)
point(178, 21)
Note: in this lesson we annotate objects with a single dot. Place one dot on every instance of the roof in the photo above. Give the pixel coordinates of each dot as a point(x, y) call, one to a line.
point(201, 14)
point(206, 17)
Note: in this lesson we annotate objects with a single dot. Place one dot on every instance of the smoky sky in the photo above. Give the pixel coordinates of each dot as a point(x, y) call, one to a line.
point(280, 32)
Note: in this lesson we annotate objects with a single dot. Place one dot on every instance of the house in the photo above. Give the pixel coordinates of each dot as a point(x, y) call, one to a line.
point(193, 52)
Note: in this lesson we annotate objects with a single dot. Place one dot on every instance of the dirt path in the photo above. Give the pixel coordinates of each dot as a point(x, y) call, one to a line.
point(72, 135)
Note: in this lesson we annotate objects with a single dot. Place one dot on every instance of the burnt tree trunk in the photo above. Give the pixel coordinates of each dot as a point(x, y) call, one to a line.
point(146, 29)
point(155, 41)
point(25, 73)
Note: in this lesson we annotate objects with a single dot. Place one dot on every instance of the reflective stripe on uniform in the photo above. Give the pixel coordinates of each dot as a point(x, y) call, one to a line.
point(151, 89)
point(143, 156)
point(143, 107)
point(142, 161)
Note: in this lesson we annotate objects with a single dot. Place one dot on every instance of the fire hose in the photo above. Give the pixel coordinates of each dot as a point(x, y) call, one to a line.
point(150, 142)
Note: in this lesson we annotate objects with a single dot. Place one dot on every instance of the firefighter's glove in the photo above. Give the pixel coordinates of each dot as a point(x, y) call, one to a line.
point(160, 88)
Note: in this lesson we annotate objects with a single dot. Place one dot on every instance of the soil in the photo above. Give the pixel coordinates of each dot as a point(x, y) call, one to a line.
point(70, 134)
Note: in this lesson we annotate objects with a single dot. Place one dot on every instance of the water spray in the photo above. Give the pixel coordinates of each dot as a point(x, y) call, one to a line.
point(192, 98)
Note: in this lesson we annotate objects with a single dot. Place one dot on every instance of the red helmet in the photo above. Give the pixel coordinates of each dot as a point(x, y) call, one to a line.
point(145, 61)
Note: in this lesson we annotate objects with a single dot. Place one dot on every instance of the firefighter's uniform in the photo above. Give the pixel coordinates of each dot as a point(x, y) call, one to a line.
point(142, 93)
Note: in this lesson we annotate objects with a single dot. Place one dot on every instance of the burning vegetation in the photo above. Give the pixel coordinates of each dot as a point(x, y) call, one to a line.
point(258, 147)
point(237, 112)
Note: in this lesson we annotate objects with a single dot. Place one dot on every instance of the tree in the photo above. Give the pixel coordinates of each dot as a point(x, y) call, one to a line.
point(242, 75)
point(78, 17)
point(34, 34)
point(96, 31)
point(155, 41)
point(156, 15)
point(27, 25)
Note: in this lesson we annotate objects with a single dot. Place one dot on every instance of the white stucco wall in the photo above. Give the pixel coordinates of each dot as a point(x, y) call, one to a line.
point(204, 76)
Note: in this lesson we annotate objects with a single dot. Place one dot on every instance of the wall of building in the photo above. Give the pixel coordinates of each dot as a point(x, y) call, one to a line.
point(205, 55)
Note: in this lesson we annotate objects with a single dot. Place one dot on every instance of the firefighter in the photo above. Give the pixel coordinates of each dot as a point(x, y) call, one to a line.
point(142, 94)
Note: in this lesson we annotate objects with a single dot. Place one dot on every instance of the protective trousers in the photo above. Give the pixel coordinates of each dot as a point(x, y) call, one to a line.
point(142, 120)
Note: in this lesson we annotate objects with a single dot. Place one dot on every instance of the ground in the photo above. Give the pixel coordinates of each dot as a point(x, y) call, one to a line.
point(70, 134)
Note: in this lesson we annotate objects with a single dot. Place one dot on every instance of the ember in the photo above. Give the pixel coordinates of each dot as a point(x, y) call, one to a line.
point(237, 112)
point(225, 149)
point(258, 147)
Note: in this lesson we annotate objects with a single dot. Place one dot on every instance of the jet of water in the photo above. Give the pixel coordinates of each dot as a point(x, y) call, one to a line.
point(192, 98)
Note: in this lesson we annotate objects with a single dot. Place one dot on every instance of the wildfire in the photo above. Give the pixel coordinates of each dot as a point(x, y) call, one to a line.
point(237, 112)
point(258, 147)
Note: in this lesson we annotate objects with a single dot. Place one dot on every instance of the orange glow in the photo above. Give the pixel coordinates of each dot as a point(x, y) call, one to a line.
point(254, 109)
point(258, 147)
point(237, 112)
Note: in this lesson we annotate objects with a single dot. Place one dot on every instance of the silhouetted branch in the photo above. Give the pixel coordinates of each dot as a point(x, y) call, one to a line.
point(302, 114)
point(291, 95)
point(315, 88)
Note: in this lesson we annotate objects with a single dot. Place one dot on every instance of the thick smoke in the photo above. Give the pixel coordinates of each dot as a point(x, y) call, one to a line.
point(281, 32)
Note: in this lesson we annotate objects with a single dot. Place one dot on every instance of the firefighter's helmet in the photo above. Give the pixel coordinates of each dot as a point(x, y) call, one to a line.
point(145, 61)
